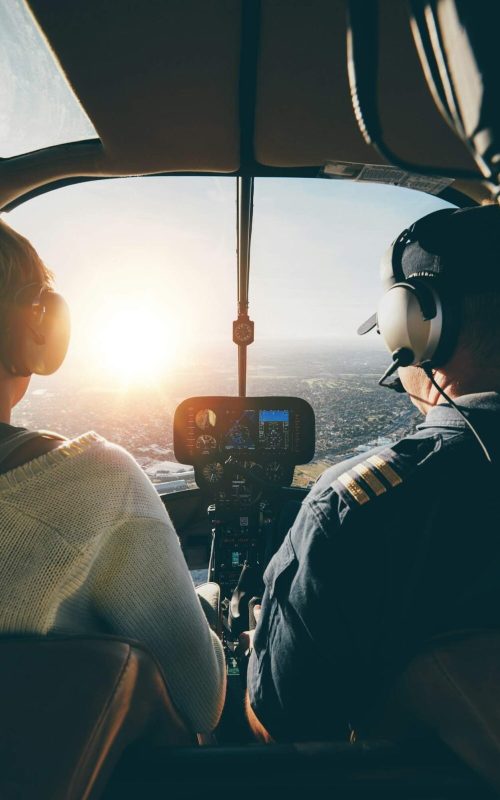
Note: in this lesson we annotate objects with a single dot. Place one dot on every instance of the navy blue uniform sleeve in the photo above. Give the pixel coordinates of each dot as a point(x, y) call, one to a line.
point(301, 652)
point(311, 673)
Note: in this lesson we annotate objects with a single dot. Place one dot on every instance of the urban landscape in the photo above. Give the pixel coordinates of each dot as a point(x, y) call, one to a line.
point(340, 382)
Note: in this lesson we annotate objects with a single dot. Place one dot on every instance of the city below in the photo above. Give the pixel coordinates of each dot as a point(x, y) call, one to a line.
point(340, 382)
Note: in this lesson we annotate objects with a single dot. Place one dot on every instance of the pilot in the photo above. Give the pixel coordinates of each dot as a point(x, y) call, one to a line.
point(399, 544)
point(86, 545)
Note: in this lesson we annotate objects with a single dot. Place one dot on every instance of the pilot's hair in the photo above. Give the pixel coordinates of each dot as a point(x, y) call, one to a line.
point(480, 328)
point(20, 264)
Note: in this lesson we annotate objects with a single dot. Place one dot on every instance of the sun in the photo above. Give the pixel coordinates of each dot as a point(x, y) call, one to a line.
point(137, 343)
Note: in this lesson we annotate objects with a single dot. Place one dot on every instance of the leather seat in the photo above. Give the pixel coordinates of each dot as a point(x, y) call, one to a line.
point(452, 691)
point(69, 707)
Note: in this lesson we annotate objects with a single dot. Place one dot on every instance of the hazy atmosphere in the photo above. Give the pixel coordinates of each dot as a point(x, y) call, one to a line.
point(156, 258)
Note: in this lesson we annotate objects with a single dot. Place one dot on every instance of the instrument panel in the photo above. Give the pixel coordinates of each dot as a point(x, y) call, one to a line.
point(238, 444)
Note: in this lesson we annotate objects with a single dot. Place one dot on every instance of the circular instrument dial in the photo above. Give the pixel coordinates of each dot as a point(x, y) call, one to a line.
point(243, 331)
point(205, 419)
point(205, 443)
point(213, 472)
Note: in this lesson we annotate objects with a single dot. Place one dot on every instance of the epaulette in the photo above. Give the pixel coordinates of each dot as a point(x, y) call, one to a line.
point(370, 478)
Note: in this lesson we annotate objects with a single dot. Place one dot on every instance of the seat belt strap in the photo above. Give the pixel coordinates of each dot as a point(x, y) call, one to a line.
point(11, 443)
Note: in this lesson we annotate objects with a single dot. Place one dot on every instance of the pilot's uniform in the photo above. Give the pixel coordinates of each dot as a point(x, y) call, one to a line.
point(390, 548)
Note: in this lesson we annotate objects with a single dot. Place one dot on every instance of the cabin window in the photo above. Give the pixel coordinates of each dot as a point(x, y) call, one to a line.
point(37, 106)
point(148, 266)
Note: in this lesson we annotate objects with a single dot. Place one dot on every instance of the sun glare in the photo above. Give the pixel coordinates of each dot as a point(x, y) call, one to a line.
point(137, 345)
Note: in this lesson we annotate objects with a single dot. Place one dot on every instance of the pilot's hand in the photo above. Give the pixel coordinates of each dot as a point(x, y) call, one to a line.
point(246, 638)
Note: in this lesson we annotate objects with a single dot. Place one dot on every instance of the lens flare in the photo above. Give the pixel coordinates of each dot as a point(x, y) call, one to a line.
point(137, 344)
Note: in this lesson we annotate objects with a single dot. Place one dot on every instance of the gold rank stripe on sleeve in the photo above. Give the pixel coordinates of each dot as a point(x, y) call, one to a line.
point(388, 472)
point(355, 490)
point(365, 471)
point(369, 478)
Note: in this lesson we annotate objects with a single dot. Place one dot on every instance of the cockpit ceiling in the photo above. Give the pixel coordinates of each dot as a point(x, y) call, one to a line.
point(225, 86)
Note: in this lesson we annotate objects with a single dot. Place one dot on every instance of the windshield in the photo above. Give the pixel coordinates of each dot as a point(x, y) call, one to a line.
point(148, 266)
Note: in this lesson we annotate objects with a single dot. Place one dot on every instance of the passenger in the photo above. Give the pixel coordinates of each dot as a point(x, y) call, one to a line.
point(398, 544)
point(86, 545)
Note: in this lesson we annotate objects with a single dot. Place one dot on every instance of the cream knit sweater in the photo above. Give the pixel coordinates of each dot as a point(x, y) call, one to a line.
point(86, 546)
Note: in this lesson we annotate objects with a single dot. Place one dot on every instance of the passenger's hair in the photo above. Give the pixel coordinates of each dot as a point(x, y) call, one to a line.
point(20, 264)
point(480, 328)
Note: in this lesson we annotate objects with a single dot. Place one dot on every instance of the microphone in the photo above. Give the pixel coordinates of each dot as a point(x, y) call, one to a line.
point(402, 357)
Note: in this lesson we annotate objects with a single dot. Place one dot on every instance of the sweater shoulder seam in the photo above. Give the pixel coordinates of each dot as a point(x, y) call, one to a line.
point(48, 525)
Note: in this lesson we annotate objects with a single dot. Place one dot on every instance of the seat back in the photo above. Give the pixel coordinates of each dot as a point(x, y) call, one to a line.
point(69, 707)
point(452, 691)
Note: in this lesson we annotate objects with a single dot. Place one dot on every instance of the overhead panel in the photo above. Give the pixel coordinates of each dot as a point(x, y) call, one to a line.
point(159, 80)
point(304, 115)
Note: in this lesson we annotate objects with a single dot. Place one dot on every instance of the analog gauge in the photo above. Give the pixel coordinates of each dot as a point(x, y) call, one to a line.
point(213, 472)
point(274, 472)
point(205, 443)
point(205, 419)
point(243, 331)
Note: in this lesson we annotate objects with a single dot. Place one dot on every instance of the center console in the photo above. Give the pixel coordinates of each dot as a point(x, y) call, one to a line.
point(243, 450)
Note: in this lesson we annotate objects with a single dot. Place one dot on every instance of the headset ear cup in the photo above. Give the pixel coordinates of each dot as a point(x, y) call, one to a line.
point(46, 336)
point(450, 329)
point(34, 337)
point(410, 317)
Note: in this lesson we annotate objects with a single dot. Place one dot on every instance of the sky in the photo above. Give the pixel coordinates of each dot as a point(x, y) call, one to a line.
point(153, 260)
point(162, 251)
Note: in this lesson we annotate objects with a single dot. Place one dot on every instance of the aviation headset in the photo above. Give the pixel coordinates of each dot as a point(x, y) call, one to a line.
point(418, 316)
point(35, 331)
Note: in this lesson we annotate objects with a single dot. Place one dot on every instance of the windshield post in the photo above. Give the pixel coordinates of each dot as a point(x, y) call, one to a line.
point(243, 327)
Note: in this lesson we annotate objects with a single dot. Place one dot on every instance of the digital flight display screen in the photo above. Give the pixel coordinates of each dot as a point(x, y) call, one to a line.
point(258, 430)
point(274, 430)
point(242, 431)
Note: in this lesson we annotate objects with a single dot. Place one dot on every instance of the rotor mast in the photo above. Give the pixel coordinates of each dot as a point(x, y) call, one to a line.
point(243, 327)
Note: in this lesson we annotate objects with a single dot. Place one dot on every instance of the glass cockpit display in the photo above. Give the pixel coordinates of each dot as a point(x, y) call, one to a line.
point(238, 444)
point(274, 429)
point(241, 430)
